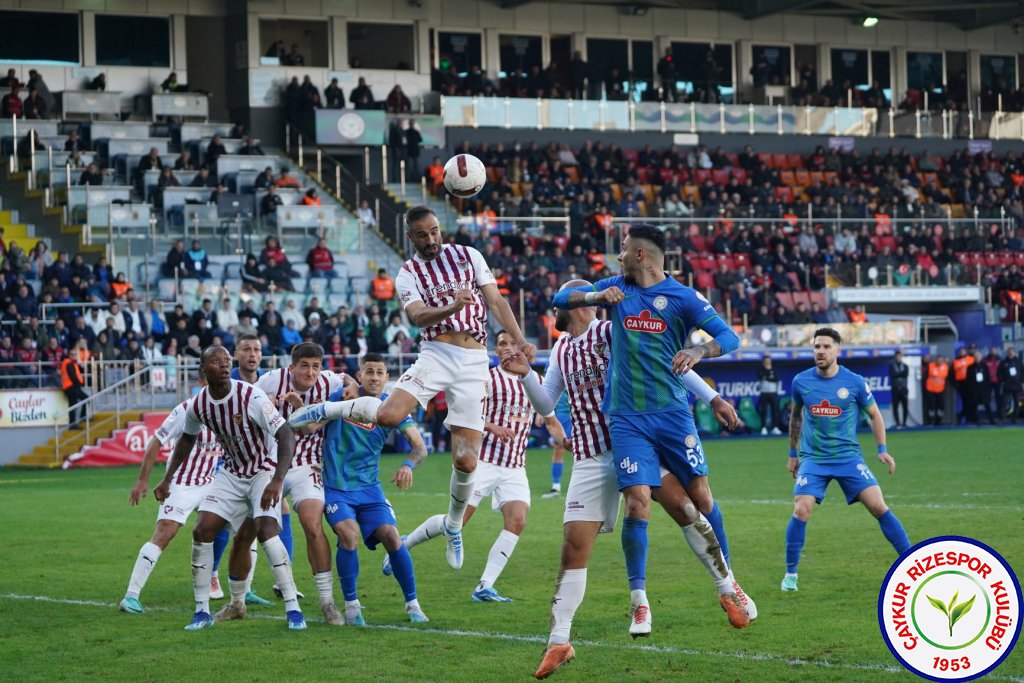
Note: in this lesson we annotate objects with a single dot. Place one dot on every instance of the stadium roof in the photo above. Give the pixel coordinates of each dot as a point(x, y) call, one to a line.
point(965, 15)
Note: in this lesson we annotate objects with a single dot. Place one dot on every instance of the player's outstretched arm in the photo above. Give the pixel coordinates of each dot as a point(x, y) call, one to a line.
point(724, 341)
point(502, 312)
point(138, 491)
point(723, 411)
point(402, 477)
point(181, 450)
point(544, 396)
point(577, 297)
point(878, 429)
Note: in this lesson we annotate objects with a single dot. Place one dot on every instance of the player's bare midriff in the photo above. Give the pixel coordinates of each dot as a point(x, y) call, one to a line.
point(456, 338)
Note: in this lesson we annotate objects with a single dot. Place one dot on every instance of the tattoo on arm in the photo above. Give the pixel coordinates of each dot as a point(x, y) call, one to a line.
point(712, 349)
point(796, 421)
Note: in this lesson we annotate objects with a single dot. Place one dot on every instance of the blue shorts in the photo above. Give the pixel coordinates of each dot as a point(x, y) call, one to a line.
point(368, 507)
point(812, 478)
point(642, 444)
point(566, 421)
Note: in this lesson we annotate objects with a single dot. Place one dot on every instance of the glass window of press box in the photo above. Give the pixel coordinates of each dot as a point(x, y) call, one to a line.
point(519, 52)
point(294, 42)
point(461, 50)
point(40, 37)
point(772, 65)
point(133, 41)
point(998, 72)
point(620, 68)
point(704, 71)
point(381, 46)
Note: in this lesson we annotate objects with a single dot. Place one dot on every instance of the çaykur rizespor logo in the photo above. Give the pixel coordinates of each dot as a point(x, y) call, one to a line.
point(949, 609)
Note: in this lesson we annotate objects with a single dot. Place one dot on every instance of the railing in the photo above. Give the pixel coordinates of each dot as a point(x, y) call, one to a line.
point(747, 119)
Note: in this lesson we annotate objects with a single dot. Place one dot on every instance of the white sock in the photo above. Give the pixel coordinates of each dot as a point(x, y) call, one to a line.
point(144, 563)
point(432, 527)
point(281, 568)
point(238, 590)
point(500, 553)
point(704, 544)
point(556, 487)
point(460, 489)
point(202, 570)
point(253, 557)
point(569, 589)
point(362, 409)
point(412, 604)
point(789, 575)
point(637, 597)
point(325, 587)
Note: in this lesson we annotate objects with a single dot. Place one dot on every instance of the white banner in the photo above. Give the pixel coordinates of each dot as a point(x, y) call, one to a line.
point(32, 408)
point(870, 295)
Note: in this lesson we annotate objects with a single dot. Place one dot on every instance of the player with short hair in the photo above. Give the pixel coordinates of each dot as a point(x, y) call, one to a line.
point(248, 485)
point(187, 490)
point(447, 291)
point(303, 383)
point(501, 472)
point(577, 369)
point(831, 398)
point(650, 422)
point(356, 506)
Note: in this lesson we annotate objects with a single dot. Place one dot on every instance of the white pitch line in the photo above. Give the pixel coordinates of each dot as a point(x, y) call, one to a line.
point(744, 656)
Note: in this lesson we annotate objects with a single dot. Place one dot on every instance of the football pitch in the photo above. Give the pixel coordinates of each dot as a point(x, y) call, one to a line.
point(70, 538)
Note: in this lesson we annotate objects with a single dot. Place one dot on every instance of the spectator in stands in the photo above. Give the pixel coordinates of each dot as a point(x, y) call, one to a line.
point(40, 259)
point(227, 317)
point(397, 148)
point(73, 143)
point(321, 260)
point(365, 213)
point(36, 82)
point(291, 313)
point(150, 162)
point(413, 143)
point(667, 75)
point(280, 274)
point(53, 355)
point(334, 96)
point(287, 180)
point(104, 349)
point(279, 51)
point(157, 322)
point(197, 263)
point(60, 270)
point(361, 96)
point(10, 105)
point(80, 330)
point(268, 205)
point(265, 179)
point(214, 150)
point(397, 102)
point(166, 179)
point(98, 83)
point(310, 198)
point(271, 330)
point(91, 176)
point(34, 106)
point(120, 287)
point(10, 80)
point(290, 336)
point(313, 306)
point(171, 84)
point(175, 261)
point(250, 148)
point(246, 324)
point(395, 327)
point(376, 340)
point(151, 353)
point(203, 179)
point(382, 288)
point(192, 347)
point(184, 162)
point(135, 318)
point(253, 276)
point(25, 301)
point(294, 58)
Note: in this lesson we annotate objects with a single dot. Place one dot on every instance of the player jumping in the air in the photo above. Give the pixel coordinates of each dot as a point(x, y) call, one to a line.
point(248, 485)
point(830, 398)
point(356, 506)
point(650, 422)
point(186, 493)
point(501, 472)
point(447, 291)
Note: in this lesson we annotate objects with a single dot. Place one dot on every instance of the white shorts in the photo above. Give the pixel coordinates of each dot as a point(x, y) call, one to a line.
point(462, 374)
point(593, 493)
point(235, 498)
point(502, 484)
point(181, 502)
point(303, 483)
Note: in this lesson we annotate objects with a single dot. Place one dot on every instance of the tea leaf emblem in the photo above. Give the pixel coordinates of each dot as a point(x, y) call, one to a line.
point(954, 612)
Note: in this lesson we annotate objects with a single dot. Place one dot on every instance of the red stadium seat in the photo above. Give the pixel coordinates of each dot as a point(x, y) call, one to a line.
point(780, 160)
point(631, 155)
point(727, 259)
point(795, 160)
point(766, 158)
point(1019, 259)
point(705, 280)
point(701, 243)
point(734, 159)
point(795, 280)
point(720, 176)
point(701, 176)
point(741, 260)
point(740, 174)
point(803, 178)
point(784, 195)
point(817, 175)
point(787, 178)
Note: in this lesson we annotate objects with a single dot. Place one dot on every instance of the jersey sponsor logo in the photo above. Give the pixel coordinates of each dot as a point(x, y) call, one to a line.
point(629, 466)
point(368, 426)
point(949, 609)
point(802, 481)
point(825, 409)
point(644, 323)
point(660, 303)
point(843, 392)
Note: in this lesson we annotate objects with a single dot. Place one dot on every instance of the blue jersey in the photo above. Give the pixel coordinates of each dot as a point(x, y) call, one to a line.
point(649, 327)
point(831, 407)
point(352, 451)
point(235, 375)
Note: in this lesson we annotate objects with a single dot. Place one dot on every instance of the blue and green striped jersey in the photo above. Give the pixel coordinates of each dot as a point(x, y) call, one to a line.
point(648, 328)
point(831, 407)
point(352, 451)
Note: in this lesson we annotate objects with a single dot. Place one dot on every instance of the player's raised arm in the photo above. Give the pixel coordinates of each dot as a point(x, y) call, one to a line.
point(502, 312)
point(587, 295)
point(402, 478)
point(878, 429)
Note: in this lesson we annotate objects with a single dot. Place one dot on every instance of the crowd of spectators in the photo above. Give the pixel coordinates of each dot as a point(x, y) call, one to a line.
point(988, 385)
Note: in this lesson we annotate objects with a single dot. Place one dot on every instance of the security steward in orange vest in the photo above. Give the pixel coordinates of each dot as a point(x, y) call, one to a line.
point(382, 288)
point(72, 383)
point(935, 390)
point(961, 364)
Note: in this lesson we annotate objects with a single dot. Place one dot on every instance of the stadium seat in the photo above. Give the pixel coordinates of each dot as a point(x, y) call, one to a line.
point(318, 286)
point(748, 413)
point(701, 176)
point(803, 178)
point(701, 243)
point(765, 158)
point(788, 178)
point(780, 161)
point(816, 175)
point(705, 418)
point(705, 280)
point(795, 160)
point(740, 174)
point(784, 194)
point(720, 176)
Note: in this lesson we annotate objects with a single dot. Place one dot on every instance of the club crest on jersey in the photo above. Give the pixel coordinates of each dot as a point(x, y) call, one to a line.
point(237, 418)
point(825, 409)
point(463, 264)
point(599, 348)
point(660, 303)
point(645, 323)
point(843, 392)
point(690, 441)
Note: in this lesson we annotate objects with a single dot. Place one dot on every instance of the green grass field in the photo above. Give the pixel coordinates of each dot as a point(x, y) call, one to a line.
point(70, 539)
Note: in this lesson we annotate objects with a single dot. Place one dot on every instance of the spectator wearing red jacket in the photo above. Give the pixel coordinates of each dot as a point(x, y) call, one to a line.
point(321, 260)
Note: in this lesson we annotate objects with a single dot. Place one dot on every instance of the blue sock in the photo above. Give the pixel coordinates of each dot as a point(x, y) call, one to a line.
point(220, 543)
point(715, 519)
point(401, 567)
point(286, 532)
point(796, 532)
point(894, 532)
point(634, 547)
point(348, 572)
point(556, 473)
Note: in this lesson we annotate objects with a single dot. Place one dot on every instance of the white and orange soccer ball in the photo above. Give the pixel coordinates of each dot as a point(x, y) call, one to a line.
point(464, 175)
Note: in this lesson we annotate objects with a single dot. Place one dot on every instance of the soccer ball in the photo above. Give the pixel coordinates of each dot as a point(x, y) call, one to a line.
point(464, 175)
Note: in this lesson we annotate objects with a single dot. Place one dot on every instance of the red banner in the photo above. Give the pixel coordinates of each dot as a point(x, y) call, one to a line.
point(125, 446)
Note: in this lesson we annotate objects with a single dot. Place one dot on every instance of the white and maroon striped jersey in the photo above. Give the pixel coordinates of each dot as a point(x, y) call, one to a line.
point(198, 468)
point(244, 422)
point(309, 448)
point(508, 406)
point(578, 365)
point(435, 283)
